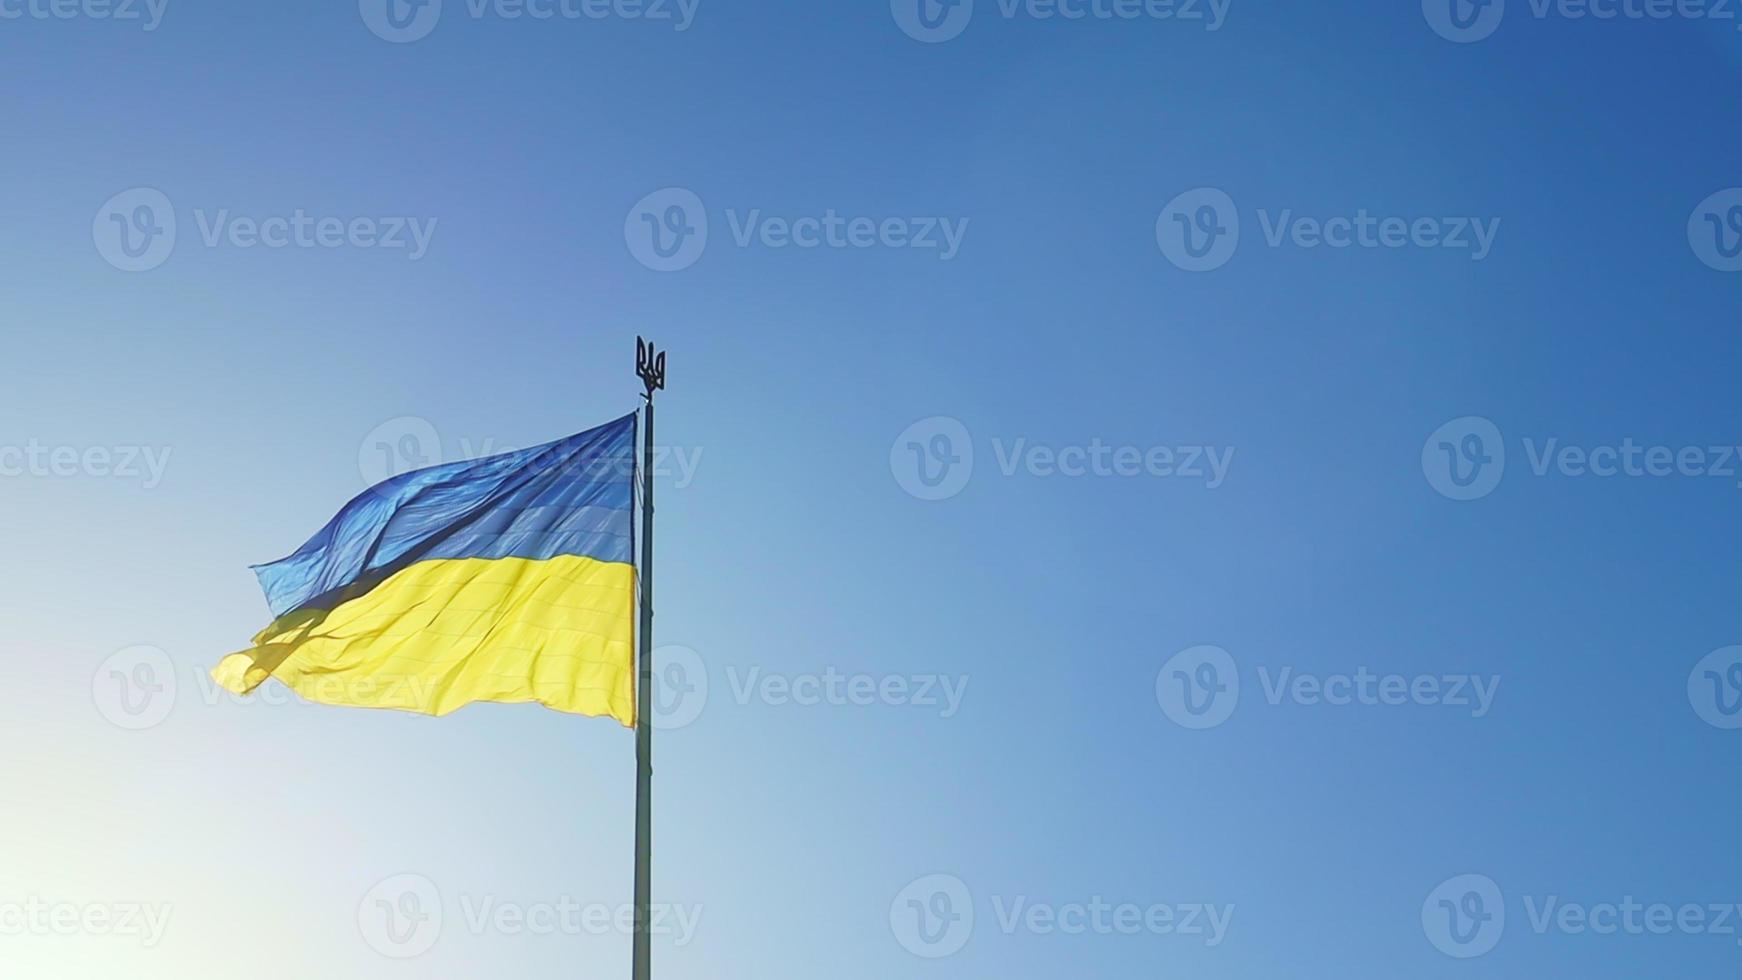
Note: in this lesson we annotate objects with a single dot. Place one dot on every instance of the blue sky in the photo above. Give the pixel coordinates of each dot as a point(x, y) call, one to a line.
point(1270, 461)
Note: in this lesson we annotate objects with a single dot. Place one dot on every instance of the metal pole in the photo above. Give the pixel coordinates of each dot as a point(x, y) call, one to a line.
point(650, 368)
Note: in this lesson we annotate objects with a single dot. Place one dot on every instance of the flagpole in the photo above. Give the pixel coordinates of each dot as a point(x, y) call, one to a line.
point(650, 368)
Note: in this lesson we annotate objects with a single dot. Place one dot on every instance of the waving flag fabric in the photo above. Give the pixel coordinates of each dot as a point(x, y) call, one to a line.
point(509, 578)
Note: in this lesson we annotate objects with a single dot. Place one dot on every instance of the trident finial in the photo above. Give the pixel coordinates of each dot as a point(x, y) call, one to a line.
point(649, 367)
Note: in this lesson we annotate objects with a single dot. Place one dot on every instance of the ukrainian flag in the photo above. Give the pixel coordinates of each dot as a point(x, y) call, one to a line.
point(509, 578)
